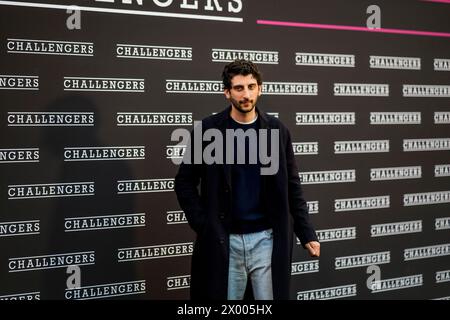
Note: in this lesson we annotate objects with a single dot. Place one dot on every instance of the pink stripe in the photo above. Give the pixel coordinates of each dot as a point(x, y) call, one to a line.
point(441, 1)
point(351, 28)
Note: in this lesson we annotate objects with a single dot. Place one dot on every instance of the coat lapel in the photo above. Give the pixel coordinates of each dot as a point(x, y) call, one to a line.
point(222, 124)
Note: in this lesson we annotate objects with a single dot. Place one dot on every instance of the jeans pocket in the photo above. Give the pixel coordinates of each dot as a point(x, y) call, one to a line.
point(268, 233)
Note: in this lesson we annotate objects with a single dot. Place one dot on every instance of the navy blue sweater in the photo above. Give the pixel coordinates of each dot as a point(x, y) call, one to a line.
point(247, 215)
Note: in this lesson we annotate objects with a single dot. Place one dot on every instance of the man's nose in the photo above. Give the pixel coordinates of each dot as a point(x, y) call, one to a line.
point(246, 93)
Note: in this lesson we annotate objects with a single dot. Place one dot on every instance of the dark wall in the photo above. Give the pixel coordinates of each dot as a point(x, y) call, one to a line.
point(85, 142)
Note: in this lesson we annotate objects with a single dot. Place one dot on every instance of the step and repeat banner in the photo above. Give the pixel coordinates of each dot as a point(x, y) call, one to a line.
point(91, 91)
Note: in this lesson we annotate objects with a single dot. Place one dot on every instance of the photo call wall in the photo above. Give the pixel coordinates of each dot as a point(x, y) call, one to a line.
point(92, 90)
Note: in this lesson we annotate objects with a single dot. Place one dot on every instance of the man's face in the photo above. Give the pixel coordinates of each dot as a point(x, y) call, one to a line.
point(244, 93)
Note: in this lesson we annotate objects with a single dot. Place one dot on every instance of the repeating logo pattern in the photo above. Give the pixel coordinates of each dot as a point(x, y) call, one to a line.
point(87, 163)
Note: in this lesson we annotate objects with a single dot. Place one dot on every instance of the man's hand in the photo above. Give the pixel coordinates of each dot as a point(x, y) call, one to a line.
point(313, 248)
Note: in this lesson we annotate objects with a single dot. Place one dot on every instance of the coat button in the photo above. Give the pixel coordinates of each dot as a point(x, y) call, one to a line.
point(221, 215)
point(222, 241)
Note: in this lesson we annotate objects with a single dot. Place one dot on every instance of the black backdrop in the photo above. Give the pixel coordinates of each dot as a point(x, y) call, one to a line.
point(64, 90)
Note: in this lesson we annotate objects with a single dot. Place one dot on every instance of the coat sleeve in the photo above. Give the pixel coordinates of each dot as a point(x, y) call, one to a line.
point(186, 188)
point(298, 207)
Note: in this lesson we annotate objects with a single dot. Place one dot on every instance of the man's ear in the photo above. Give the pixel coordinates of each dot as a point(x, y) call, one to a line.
point(260, 90)
point(227, 93)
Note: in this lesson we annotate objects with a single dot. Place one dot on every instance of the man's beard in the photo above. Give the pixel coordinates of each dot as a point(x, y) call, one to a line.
point(238, 105)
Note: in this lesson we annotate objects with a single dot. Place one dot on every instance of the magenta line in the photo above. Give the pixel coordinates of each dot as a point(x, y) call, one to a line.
point(440, 1)
point(352, 28)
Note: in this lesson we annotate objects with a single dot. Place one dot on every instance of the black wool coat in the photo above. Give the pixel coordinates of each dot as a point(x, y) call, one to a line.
point(208, 213)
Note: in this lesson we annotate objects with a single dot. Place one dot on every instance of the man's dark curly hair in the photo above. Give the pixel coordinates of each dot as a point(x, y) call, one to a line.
point(240, 67)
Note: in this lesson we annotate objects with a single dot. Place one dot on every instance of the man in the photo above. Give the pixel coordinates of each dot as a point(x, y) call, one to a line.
point(243, 217)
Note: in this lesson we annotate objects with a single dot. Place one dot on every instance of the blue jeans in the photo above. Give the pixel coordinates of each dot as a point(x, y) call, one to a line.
point(251, 255)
